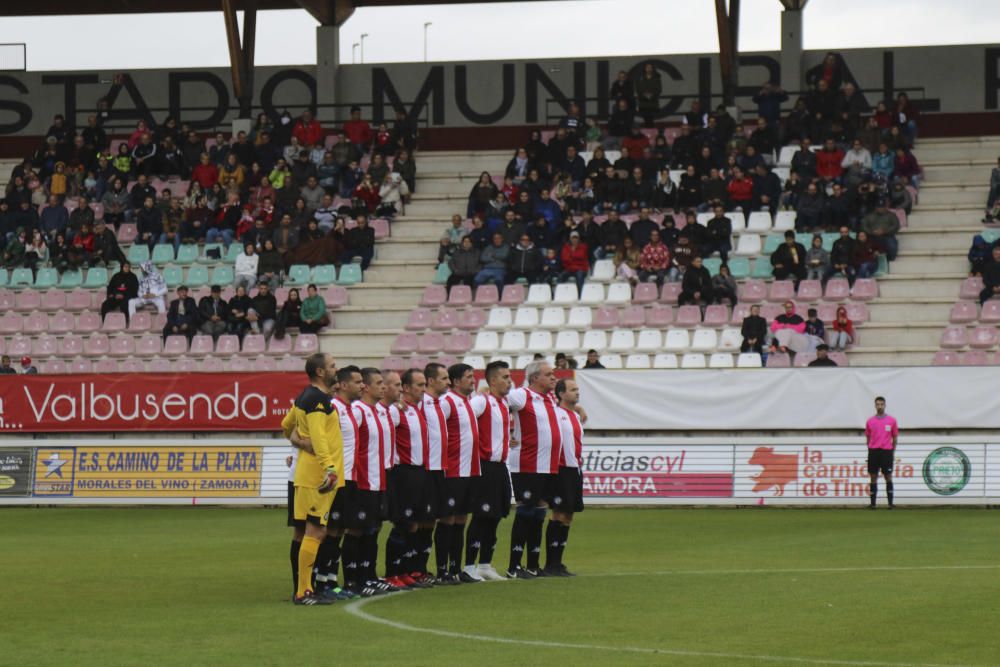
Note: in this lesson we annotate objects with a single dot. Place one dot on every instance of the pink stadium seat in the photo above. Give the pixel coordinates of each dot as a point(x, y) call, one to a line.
point(865, 289)
point(29, 299)
point(87, 322)
point(605, 317)
point(186, 365)
point(716, 316)
point(971, 287)
point(35, 323)
point(254, 344)
point(858, 312)
point(240, 365)
point(945, 358)
point(461, 295)
point(148, 345)
point(633, 317)
point(431, 342)
point(963, 312)
point(781, 290)
point(458, 342)
point(670, 293)
point(837, 289)
point(8, 300)
point(215, 365)
point(645, 293)
point(105, 366)
point(77, 300)
point(840, 358)
point(513, 295)
point(113, 322)
point(160, 365)
point(434, 295)
point(486, 295)
point(752, 291)
point(335, 296)
point(43, 346)
point(381, 227)
point(954, 338)
point(71, 345)
point(122, 345)
point(175, 346)
point(802, 359)
point(265, 364)
point(445, 320)
point(447, 360)
point(688, 316)
point(975, 358)
point(990, 312)
point(53, 299)
point(96, 345)
point(472, 319)
point(659, 316)
point(420, 360)
point(419, 319)
point(127, 233)
point(810, 290)
point(394, 363)
point(140, 322)
point(769, 311)
point(227, 344)
point(201, 346)
point(289, 363)
point(18, 346)
point(983, 338)
point(53, 366)
point(131, 366)
point(278, 346)
point(281, 294)
point(80, 365)
point(778, 360)
point(306, 344)
point(827, 312)
point(159, 322)
point(740, 311)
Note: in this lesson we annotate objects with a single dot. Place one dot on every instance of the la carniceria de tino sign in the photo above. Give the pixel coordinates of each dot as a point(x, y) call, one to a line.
point(950, 79)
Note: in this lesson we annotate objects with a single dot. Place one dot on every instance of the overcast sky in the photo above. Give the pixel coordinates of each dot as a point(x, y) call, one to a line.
point(491, 31)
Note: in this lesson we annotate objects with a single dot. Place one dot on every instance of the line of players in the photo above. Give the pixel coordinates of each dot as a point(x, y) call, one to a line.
point(425, 451)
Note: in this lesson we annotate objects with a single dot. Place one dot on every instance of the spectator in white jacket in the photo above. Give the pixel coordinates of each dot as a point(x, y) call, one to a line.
point(393, 193)
point(856, 162)
point(246, 268)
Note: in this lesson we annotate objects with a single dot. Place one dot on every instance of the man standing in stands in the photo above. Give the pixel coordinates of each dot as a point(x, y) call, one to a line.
point(882, 433)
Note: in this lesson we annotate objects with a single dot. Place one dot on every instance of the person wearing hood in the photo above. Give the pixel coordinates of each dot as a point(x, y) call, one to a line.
point(122, 288)
point(152, 291)
point(979, 255)
point(788, 330)
point(841, 330)
point(817, 260)
point(524, 261)
point(27, 368)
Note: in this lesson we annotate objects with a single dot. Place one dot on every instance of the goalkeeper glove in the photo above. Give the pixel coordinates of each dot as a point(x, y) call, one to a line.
point(329, 480)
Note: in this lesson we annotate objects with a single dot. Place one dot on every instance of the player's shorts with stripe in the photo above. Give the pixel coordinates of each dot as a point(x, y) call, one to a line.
point(458, 495)
point(342, 504)
point(567, 494)
point(313, 506)
point(880, 460)
point(365, 509)
point(493, 491)
point(292, 523)
point(532, 488)
point(411, 494)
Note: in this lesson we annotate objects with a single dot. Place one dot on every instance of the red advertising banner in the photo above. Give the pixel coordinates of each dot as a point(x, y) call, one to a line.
point(147, 402)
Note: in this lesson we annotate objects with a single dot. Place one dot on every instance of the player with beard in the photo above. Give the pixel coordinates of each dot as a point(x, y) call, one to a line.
point(567, 499)
point(436, 412)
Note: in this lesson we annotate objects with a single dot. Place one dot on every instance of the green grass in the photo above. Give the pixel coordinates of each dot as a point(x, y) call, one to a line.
point(204, 586)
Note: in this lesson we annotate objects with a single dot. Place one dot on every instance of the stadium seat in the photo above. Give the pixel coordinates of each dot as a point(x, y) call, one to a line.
point(566, 294)
point(778, 360)
point(759, 222)
point(445, 319)
point(866, 289)
point(160, 365)
point(604, 271)
point(963, 312)
point(704, 340)
point(983, 337)
point(88, 322)
point(632, 317)
point(21, 278)
point(163, 253)
point(595, 340)
point(306, 344)
point(771, 243)
point(611, 361)
point(803, 359)
point(173, 275)
point(113, 322)
point(670, 293)
point(580, 317)
point(70, 280)
point(80, 365)
point(43, 346)
point(211, 249)
point(645, 293)
point(131, 366)
point(187, 254)
point(28, 300)
point(149, 345)
point(810, 290)
point(739, 267)
point(665, 361)
point(971, 287)
point(975, 358)
point(720, 360)
point(11, 322)
point(837, 289)
point(762, 269)
point(335, 296)
point(457, 342)
point(52, 299)
point(553, 318)
point(954, 338)
point(538, 295)
point(749, 245)
point(512, 342)
point(716, 316)
point(693, 360)
point(784, 221)
point(622, 340)
point(605, 317)
point(127, 233)
point(390, 363)
point(474, 360)
point(618, 293)
point(659, 316)
point(990, 312)
point(175, 346)
point(649, 340)
point(350, 274)
point(730, 340)
point(419, 319)
point(513, 295)
point(224, 275)
point(48, 277)
point(486, 295)
point(526, 317)
point(460, 295)
point(486, 342)
point(197, 276)
point(540, 341)
point(677, 340)
point(500, 318)
point(137, 254)
point(748, 360)
point(946, 358)
point(105, 366)
point(201, 346)
point(62, 322)
point(688, 316)
point(324, 274)
point(781, 290)
point(752, 291)
point(431, 342)
point(434, 295)
point(279, 346)
point(567, 340)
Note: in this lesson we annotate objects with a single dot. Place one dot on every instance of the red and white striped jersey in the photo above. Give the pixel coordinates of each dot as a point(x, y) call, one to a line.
point(349, 433)
point(369, 473)
point(436, 412)
point(389, 429)
point(536, 429)
point(412, 447)
point(463, 437)
point(572, 438)
point(493, 417)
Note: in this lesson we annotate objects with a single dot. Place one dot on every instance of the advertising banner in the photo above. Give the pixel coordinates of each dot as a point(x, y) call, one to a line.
point(15, 471)
point(626, 470)
point(148, 402)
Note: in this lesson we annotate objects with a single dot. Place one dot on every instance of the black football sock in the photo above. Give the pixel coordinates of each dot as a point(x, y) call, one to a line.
point(535, 528)
point(334, 558)
point(488, 540)
point(349, 556)
point(552, 533)
point(518, 537)
point(473, 540)
point(293, 556)
point(426, 541)
point(873, 494)
point(395, 550)
point(563, 538)
point(373, 554)
point(455, 548)
point(442, 543)
point(888, 490)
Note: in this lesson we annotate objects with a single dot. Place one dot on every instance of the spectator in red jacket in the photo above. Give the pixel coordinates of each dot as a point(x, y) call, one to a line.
point(367, 193)
point(358, 131)
point(308, 130)
point(740, 189)
point(205, 173)
point(575, 258)
point(842, 333)
point(636, 141)
point(828, 162)
point(906, 168)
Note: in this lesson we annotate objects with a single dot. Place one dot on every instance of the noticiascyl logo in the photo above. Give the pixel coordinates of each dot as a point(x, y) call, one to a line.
point(947, 471)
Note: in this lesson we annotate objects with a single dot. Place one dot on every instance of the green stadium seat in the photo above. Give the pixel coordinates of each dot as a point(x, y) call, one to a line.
point(739, 267)
point(828, 240)
point(21, 278)
point(772, 242)
point(883, 267)
point(712, 264)
point(137, 254)
point(990, 235)
point(187, 254)
point(350, 274)
point(324, 274)
point(163, 253)
point(443, 273)
point(72, 279)
point(197, 276)
point(762, 268)
point(235, 250)
point(97, 278)
point(205, 259)
point(223, 275)
point(805, 238)
point(46, 278)
point(3, 277)
point(298, 274)
point(174, 275)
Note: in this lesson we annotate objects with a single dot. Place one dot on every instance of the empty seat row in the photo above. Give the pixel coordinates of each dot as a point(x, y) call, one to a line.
point(981, 337)
point(150, 344)
point(55, 365)
point(617, 340)
point(965, 312)
point(783, 360)
point(970, 358)
point(662, 361)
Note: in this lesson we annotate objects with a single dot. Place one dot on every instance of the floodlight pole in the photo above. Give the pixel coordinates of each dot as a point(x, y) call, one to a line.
point(363, 35)
point(426, 25)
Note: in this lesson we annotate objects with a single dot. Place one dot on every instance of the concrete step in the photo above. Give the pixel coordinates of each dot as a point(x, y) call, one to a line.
point(457, 162)
point(930, 262)
point(452, 186)
point(406, 249)
point(900, 334)
point(958, 173)
point(903, 309)
point(935, 217)
point(957, 151)
point(946, 238)
point(401, 271)
point(437, 208)
point(401, 294)
point(367, 317)
point(917, 285)
point(371, 342)
point(891, 356)
point(953, 194)
point(424, 230)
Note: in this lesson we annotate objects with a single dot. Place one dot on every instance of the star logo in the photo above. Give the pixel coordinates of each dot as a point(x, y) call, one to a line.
point(54, 464)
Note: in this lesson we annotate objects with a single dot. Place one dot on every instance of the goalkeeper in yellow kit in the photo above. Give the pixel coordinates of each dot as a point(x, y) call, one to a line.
point(319, 469)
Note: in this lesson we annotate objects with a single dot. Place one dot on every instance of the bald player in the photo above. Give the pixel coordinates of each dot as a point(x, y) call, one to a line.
point(567, 498)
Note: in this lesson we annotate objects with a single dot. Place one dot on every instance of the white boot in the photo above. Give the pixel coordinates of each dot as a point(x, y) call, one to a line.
point(487, 573)
point(472, 572)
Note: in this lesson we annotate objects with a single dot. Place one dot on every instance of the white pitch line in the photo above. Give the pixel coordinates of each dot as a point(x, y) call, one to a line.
point(800, 570)
point(356, 608)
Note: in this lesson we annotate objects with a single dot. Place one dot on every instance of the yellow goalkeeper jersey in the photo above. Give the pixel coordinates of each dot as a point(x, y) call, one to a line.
point(314, 417)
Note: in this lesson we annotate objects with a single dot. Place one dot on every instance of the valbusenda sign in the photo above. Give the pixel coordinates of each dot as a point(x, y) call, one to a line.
point(617, 471)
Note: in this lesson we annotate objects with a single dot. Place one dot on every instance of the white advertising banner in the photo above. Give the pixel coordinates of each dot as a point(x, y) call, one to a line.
point(793, 399)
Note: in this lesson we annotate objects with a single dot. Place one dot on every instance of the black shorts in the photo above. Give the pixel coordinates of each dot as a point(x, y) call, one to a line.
point(412, 494)
point(292, 523)
point(567, 495)
point(365, 509)
point(493, 491)
point(880, 460)
point(458, 495)
point(341, 507)
point(532, 489)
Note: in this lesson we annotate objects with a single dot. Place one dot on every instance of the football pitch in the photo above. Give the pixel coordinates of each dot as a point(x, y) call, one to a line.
point(211, 586)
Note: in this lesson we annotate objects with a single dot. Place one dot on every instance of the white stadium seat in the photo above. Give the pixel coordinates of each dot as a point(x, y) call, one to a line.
point(677, 340)
point(526, 317)
point(474, 360)
point(720, 360)
point(539, 295)
point(619, 293)
point(622, 340)
point(593, 294)
point(513, 342)
point(704, 340)
point(749, 245)
point(611, 361)
point(506, 358)
point(595, 340)
point(703, 218)
point(760, 221)
point(567, 341)
point(739, 221)
point(748, 360)
point(665, 361)
point(565, 294)
point(730, 340)
point(649, 340)
point(553, 318)
point(637, 361)
point(486, 342)
point(522, 361)
point(604, 271)
point(500, 318)
point(580, 317)
point(540, 341)
point(784, 221)
point(693, 360)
